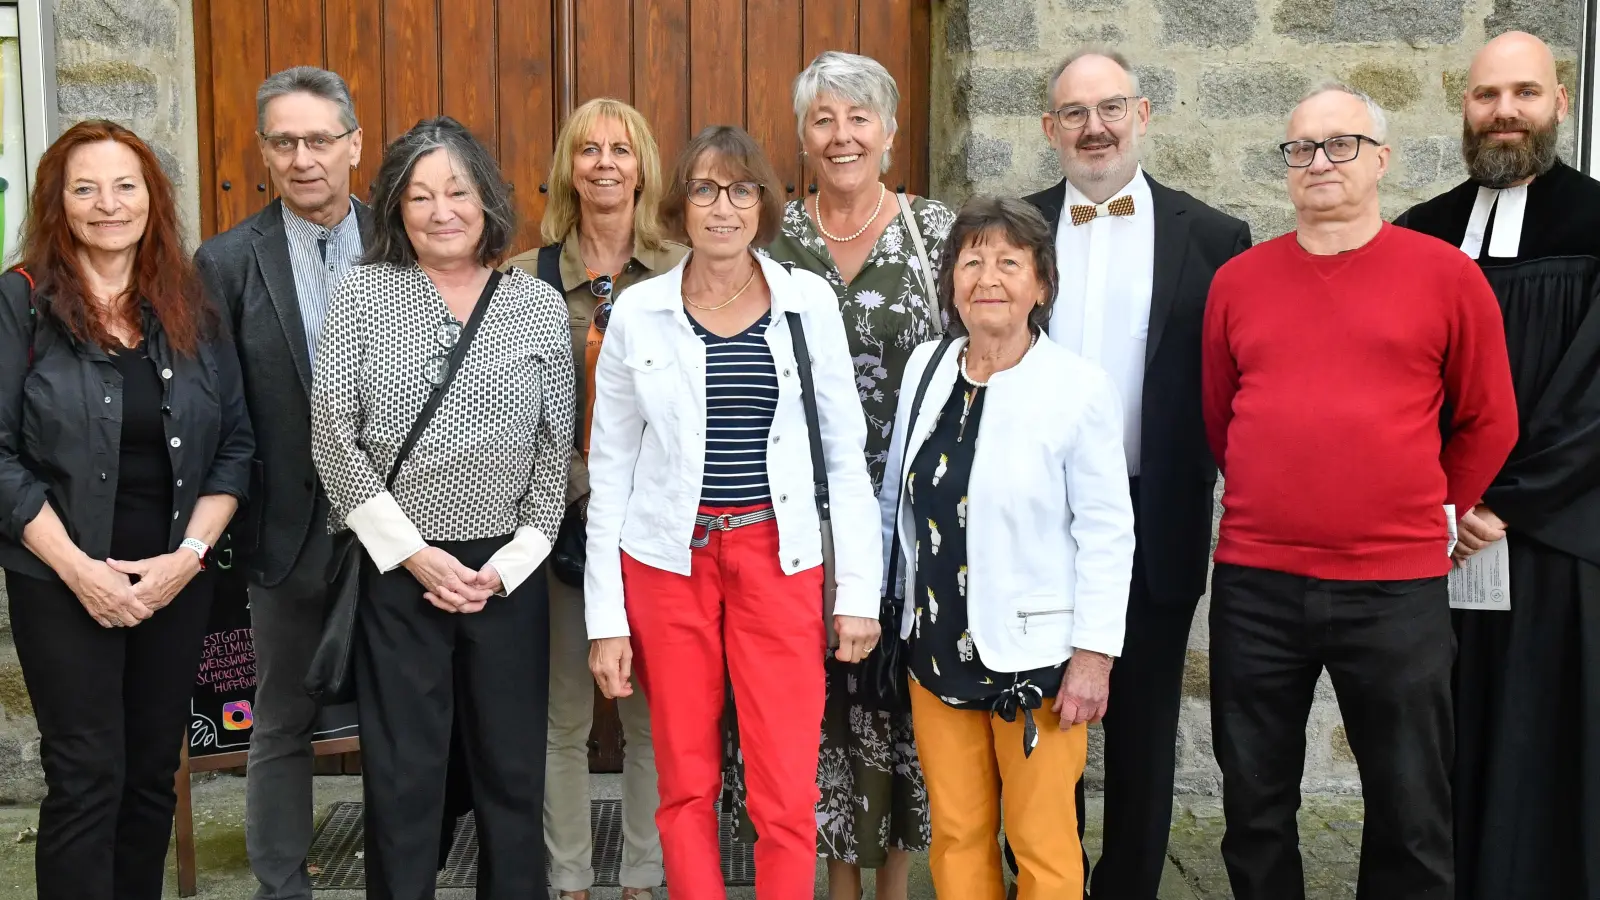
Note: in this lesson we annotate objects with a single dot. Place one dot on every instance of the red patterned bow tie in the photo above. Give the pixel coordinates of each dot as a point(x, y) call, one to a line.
point(1088, 212)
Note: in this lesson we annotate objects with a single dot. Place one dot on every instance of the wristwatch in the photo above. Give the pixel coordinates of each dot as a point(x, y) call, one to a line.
point(199, 547)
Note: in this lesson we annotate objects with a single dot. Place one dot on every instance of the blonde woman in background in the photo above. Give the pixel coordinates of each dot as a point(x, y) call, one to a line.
point(602, 233)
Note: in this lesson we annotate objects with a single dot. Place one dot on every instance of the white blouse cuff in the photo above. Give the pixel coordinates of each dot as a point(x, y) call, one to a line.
point(385, 531)
point(520, 558)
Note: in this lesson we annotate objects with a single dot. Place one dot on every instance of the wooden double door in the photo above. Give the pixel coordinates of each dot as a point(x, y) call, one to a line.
point(512, 69)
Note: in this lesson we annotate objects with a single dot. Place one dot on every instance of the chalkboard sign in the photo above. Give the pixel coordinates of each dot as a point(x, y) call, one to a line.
point(221, 711)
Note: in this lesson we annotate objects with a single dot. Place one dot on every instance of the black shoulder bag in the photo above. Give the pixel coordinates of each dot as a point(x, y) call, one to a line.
point(329, 680)
point(883, 674)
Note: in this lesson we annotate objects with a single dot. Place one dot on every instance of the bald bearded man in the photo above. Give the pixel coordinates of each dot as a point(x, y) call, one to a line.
point(1527, 771)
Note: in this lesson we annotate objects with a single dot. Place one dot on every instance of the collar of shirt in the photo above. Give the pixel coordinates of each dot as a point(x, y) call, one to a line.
point(305, 228)
point(575, 274)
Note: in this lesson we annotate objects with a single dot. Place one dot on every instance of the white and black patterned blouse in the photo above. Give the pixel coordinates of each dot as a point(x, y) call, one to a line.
point(494, 459)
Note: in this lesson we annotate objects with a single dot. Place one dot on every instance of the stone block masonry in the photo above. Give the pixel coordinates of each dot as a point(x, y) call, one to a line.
point(1222, 76)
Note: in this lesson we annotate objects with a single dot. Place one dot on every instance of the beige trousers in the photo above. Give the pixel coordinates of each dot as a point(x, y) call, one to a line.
point(567, 834)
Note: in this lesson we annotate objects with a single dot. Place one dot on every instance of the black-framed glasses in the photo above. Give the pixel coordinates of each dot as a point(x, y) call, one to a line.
point(1111, 109)
point(318, 142)
point(742, 194)
point(445, 335)
point(1341, 148)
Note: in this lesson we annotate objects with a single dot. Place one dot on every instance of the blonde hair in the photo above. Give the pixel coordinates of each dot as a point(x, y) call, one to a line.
point(561, 211)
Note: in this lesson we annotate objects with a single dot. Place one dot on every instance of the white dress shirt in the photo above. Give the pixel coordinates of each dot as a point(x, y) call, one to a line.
point(1102, 311)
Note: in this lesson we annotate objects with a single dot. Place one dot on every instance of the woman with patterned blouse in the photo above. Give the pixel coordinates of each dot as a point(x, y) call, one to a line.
point(1007, 509)
point(878, 250)
point(453, 622)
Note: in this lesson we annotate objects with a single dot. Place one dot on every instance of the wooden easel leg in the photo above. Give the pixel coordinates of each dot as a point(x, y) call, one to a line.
point(183, 822)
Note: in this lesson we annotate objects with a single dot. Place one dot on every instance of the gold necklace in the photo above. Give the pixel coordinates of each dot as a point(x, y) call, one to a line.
point(747, 282)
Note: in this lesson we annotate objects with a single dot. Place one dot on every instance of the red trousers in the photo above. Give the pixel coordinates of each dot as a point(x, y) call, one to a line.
point(735, 613)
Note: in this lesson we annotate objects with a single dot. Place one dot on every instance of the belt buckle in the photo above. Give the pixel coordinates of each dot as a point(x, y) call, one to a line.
point(723, 522)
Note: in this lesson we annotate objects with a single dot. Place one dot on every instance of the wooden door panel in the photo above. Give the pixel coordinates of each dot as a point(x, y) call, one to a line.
point(603, 31)
point(410, 64)
point(466, 38)
point(353, 51)
point(830, 25)
point(773, 59)
point(716, 79)
point(884, 26)
point(527, 106)
point(238, 64)
point(294, 35)
point(662, 71)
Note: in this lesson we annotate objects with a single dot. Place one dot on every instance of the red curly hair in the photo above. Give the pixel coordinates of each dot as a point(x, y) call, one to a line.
point(163, 273)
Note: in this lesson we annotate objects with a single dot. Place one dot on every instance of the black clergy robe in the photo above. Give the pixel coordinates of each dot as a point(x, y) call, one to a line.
point(1527, 773)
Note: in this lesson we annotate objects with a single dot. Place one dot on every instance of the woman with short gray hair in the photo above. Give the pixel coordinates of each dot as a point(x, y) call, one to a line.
point(441, 422)
point(878, 250)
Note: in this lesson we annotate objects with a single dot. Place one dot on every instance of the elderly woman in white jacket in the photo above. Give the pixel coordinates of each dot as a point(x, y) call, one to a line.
point(705, 554)
point(1007, 518)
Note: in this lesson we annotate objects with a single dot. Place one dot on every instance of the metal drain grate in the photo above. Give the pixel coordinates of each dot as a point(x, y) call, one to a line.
point(336, 850)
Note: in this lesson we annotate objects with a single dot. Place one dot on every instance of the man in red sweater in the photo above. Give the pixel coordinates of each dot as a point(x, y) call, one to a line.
point(1329, 355)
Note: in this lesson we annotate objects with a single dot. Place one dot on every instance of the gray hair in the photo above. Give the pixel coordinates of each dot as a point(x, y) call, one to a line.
point(1380, 122)
point(1080, 53)
point(390, 243)
point(861, 80)
point(306, 80)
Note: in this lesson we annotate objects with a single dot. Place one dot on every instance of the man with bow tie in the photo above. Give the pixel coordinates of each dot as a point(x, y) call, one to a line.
point(1135, 261)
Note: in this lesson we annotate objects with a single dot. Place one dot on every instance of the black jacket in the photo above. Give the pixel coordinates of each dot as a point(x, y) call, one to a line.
point(61, 427)
point(1177, 476)
point(247, 271)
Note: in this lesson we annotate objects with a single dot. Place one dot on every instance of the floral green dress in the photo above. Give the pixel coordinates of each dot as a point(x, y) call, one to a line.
point(872, 794)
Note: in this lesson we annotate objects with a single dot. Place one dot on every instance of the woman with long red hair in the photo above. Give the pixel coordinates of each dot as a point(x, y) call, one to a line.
point(124, 451)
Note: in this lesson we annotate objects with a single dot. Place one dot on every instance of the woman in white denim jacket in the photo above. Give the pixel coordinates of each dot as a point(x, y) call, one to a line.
point(704, 544)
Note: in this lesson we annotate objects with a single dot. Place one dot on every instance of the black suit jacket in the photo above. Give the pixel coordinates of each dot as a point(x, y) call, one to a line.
point(247, 271)
point(1177, 475)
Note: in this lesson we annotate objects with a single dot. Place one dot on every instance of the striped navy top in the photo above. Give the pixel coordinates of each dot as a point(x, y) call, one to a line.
point(741, 398)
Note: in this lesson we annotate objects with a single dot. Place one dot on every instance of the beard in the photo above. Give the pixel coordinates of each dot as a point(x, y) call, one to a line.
point(1118, 167)
point(1498, 164)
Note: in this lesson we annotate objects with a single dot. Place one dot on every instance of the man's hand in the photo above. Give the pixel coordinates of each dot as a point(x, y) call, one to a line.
point(446, 583)
point(611, 664)
point(160, 577)
point(1479, 528)
point(1086, 690)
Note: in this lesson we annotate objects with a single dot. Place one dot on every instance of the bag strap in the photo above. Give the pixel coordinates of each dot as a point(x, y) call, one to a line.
point(808, 396)
point(436, 398)
point(911, 424)
point(549, 266)
point(33, 314)
point(930, 292)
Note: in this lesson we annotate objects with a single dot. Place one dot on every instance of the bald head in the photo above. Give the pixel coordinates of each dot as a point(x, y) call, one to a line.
point(1515, 55)
point(1511, 111)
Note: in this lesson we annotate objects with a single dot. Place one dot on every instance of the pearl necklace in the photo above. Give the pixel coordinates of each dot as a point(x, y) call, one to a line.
point(972, 395)
point(859, 232)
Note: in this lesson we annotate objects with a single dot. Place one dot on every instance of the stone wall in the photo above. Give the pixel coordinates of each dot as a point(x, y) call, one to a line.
point(1222, 76)
point(131, 61)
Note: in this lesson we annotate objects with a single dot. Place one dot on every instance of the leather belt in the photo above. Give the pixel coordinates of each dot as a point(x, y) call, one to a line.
point(726, 523)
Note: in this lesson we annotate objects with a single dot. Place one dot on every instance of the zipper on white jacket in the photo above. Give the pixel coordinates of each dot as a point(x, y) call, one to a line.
point(1025, 615)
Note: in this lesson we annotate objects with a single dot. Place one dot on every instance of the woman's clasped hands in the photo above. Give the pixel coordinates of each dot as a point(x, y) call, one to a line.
point(448, 584)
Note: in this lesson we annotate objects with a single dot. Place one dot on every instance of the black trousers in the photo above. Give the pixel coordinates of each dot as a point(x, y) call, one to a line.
point(420, 670)
point(112, 706)
point(1389, 648)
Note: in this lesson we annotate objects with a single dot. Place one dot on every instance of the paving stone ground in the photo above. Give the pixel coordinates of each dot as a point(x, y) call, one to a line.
point(1330, 840)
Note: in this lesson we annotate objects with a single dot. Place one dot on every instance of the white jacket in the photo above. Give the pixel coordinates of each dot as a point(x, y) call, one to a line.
point(1049, 516)
point(647, 453)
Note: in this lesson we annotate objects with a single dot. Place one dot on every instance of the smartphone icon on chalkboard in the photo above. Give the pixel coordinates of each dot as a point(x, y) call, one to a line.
point(236, 716)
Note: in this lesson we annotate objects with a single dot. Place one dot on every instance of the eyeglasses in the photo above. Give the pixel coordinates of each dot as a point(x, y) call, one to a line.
point(1341, 148)
point(600, 286)
point(318, 143)
point(742, 194)
point(437, 367)
point(602, 316)
point(1111, 109)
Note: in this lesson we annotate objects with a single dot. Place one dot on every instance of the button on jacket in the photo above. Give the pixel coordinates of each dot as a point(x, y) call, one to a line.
point(1050, 520)
point(648, 447)
point(61, 427)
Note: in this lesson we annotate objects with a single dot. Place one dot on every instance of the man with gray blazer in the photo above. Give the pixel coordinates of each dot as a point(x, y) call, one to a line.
point(274, 273)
